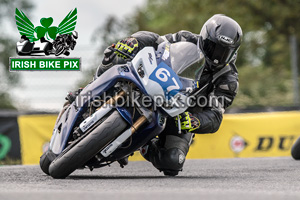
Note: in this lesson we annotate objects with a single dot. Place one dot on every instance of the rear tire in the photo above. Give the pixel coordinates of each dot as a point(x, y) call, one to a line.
point(296, 150)
point(88, 147)
point(46, 160)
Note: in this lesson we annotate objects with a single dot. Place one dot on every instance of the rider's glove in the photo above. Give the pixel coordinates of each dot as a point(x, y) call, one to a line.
point(188, 122)
point(108, 55)
point(128, 46)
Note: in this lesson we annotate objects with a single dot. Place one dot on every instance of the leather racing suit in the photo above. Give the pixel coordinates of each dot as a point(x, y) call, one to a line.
point(167, 153)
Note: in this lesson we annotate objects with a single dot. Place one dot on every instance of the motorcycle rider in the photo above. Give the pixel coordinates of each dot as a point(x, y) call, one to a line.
point(219, 41)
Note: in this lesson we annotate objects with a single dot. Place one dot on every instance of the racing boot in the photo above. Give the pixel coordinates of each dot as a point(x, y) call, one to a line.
point(123, 162)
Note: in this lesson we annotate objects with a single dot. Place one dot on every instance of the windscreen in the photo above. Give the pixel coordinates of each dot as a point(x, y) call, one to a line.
point(183, 55)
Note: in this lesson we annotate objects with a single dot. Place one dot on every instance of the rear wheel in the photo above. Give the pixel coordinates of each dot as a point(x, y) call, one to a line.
point(76, 157)
point(46, 160)
point(296, 150)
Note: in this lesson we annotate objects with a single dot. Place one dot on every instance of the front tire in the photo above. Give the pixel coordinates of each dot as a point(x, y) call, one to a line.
point(88, 147)
point(296, 150)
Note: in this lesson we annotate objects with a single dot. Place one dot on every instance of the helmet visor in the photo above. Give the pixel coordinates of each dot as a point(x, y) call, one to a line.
point(216, 53)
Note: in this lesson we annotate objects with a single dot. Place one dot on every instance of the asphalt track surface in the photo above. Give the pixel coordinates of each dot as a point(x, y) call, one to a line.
point(239, 178)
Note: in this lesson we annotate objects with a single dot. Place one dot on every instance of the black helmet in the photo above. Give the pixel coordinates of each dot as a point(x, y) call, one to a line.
point(220, 38)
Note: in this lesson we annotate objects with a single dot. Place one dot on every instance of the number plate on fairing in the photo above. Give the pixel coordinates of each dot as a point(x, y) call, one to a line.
point(160, 81)
point(167, 79)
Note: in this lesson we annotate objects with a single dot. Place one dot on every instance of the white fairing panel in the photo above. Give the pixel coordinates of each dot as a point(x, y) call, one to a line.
point(55, 142)
point(146, 60)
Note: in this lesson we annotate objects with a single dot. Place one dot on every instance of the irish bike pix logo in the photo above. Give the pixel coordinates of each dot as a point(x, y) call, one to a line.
point(45, 46)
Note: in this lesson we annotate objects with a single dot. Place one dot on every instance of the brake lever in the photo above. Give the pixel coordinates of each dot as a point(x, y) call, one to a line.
point(179, 124)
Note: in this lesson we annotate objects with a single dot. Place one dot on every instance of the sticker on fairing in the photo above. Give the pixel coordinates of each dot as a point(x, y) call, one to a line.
point(167, 79)
point(166, 54)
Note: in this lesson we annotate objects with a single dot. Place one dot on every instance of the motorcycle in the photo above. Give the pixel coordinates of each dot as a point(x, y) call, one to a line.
point(95, 131)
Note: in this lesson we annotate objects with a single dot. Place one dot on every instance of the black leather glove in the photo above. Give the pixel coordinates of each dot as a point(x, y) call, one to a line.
point(109, 55)
point(128, 46)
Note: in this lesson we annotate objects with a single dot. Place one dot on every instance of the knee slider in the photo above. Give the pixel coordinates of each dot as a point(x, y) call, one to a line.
point(171, 159)
point(174, 159)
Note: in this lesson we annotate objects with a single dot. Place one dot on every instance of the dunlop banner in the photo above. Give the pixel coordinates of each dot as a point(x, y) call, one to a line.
point(247, 135)
point(250, 135)
point(240, 135)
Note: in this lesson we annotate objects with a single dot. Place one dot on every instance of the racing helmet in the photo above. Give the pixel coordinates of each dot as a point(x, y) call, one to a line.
point(219, 39)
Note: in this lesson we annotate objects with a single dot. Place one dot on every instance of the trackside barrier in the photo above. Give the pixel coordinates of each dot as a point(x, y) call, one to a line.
point(240, 135)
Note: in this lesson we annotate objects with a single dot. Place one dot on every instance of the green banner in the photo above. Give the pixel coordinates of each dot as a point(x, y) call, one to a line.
point(44, 64)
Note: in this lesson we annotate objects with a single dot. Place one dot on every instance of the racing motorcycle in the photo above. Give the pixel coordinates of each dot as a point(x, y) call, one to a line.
point(95, 131)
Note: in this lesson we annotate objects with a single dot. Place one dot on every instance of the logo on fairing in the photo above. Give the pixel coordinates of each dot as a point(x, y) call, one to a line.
point(226, 39)
point(107, 148)
point(150, 58)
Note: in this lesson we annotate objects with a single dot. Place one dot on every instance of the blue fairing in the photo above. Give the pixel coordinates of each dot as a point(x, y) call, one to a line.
point(125, 114)
point(79, 106)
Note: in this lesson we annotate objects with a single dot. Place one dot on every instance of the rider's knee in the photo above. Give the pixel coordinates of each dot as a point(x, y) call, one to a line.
point(171, 159)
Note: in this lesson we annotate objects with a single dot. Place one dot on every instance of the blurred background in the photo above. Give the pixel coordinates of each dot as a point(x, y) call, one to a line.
point(267, 60)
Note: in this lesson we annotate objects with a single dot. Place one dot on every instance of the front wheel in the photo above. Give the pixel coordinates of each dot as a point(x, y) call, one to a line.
point(88, 147)
point(296, 150)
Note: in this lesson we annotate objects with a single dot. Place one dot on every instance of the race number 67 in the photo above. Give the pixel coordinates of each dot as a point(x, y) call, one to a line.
point(163, 75)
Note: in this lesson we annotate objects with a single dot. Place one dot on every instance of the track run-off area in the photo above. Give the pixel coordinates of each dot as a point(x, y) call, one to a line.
point(237, 178)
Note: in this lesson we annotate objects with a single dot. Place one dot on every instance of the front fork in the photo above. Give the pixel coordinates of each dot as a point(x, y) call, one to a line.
point(112, 146)
point(140, 121)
